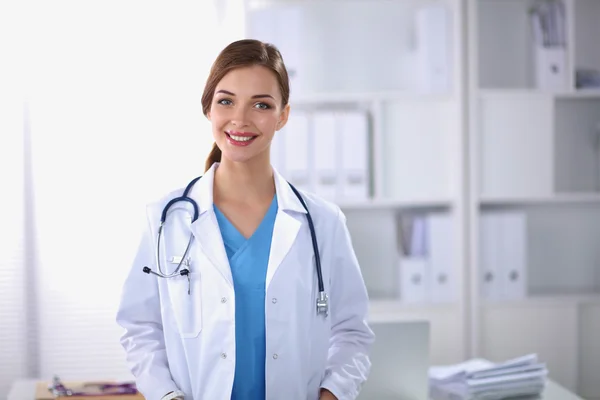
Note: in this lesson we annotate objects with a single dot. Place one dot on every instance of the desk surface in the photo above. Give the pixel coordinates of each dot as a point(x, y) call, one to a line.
point(25, 390)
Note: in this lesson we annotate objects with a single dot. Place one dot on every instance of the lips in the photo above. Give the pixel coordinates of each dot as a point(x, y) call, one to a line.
point(240, 138)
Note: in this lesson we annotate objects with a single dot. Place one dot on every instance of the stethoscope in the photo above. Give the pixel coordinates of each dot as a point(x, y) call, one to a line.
point(322, 299)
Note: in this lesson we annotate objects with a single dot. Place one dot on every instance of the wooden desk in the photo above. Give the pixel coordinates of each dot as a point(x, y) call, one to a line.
point(34, 390)
point(25, 390)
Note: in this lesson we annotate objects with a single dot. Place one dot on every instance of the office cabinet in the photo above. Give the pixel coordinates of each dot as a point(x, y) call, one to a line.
point(533, 141)
point(381, 87)
point(469, 118)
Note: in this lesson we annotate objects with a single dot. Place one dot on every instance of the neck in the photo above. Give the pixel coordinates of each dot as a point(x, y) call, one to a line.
point(248, 182)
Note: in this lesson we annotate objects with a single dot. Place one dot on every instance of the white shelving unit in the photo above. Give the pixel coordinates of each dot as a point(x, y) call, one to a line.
point(364, 55)
point(535, 153)
point(483, 140)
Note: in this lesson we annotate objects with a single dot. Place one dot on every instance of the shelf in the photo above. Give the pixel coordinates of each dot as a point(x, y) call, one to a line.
point(539, 253)
point(546, 301)
point(579, 94)
point(357, 97)
point(574, 94)
point(557, 199)
point(388, 204)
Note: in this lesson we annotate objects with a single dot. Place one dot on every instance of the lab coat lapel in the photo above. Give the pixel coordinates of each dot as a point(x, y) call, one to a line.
point(287, 225)
point(206, 228)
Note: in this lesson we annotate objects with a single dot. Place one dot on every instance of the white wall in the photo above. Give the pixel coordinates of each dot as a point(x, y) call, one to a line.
point(114, 90)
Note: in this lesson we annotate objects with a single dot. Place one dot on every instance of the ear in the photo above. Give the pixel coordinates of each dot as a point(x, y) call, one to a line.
point(283, 117)
point(208, 115)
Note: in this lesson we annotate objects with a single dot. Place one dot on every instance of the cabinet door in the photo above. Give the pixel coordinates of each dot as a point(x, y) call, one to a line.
point(516, 149)
point(549, 330)
point(589, 367)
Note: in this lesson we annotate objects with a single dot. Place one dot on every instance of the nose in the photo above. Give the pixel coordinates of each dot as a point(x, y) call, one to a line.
point(239, 119)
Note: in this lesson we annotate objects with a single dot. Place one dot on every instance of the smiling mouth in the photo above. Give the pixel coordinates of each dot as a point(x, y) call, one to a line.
point(240, 139)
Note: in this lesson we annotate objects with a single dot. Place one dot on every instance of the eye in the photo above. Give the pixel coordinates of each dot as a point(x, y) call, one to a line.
point(262, 106)
point(224, 102)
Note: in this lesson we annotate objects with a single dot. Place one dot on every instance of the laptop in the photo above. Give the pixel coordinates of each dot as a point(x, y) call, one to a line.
point(400, 362)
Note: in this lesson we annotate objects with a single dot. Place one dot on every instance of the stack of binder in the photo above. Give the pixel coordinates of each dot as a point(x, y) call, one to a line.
point(426, 262)
point(549, 27)
point(480, 379)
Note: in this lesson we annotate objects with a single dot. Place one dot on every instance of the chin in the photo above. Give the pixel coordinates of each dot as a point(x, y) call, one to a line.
point(237, 157)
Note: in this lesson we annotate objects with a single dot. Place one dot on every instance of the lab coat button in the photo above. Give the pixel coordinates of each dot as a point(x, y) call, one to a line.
point(275, 356)
point(223, 356)
point(274, 300)
point(223, 299)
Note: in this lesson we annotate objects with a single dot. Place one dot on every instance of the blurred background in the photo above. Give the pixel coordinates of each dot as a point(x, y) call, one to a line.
point(460, 137)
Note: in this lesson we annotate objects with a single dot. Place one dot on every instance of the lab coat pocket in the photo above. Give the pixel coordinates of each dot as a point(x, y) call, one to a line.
point(186, 301)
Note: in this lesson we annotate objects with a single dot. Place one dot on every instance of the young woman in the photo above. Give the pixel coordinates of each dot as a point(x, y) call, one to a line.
point(251, 288)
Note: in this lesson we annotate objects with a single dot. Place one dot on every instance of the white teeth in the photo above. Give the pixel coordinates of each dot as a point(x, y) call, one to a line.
point(241, 138)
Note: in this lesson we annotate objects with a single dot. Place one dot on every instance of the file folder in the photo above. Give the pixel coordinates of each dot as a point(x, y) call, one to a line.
point(414, 263)
point(297, 145)
point(278, 151)
point(414, 280)
point(433, 28)
point(325, 149)
point(489, 256)
point(441, 246)
point(353, 129)
point(514, 255)
point(503, 255)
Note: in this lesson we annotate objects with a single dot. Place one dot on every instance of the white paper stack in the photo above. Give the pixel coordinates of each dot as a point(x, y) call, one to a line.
point(480, 379)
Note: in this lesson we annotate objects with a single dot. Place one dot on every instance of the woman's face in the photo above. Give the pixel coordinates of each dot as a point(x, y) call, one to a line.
point(246, 112)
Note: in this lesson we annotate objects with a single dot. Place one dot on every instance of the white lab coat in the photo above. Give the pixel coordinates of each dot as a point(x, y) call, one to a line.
point(176, 341)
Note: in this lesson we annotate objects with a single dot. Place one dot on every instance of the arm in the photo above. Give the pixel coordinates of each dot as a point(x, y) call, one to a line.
point(348, 364)
point(140, 316)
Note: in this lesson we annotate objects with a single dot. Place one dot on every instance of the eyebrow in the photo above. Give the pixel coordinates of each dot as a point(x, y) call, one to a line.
point(256, 96)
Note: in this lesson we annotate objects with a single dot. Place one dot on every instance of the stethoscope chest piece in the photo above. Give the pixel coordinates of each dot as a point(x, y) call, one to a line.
point(323, 304)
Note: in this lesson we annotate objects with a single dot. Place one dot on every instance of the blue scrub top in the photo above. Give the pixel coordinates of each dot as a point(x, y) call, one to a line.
point(248, 259)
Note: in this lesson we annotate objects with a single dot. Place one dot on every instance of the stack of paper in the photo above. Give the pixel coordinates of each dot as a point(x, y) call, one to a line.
point(480, 379)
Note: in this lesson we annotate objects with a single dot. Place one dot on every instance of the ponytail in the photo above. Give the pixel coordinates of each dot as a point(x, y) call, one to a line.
point(213, 157)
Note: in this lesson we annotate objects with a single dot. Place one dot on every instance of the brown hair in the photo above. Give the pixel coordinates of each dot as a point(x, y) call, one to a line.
point(243, 53)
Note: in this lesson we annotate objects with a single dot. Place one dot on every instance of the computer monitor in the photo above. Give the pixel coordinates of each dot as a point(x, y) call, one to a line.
point(400, 362)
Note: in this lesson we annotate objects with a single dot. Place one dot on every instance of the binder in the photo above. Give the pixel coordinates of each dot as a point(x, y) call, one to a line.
point(414, 279)
point(414, 264)
point(513, 279)
point(549, 32)
point(278, 151)
point(503, 255)
point(353, 131)
point(432, 24)
point(325, 148)
point(441, 248)
point(551, 68)
point(489, 257)
point(297, 144)
point(282, 26)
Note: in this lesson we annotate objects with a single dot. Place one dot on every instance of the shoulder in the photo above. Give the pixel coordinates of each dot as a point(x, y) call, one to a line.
point(325, 213)
point(162, 200)
point(155, 206)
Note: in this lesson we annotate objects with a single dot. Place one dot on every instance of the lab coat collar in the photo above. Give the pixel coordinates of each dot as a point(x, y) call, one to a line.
point(206, 227)
point(207, 232)
point(286, 198)
point(202, 192)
